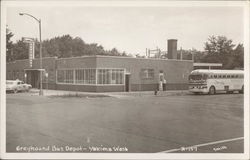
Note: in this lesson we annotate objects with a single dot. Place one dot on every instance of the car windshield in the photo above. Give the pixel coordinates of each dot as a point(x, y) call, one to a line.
point(9, 82)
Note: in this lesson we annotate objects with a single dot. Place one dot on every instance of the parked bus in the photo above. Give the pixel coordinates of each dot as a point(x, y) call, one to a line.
point(214, 81)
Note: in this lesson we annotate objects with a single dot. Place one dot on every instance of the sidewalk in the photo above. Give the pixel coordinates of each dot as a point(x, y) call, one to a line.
point(55, 93)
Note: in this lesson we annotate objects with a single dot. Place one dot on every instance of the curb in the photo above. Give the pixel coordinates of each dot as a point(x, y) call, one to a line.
point(59, 93)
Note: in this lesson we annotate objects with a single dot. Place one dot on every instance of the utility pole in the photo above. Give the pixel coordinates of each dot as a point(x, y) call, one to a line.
point(40, 37)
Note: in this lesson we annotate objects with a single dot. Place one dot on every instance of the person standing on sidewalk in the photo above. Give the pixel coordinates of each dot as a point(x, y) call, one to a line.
point(164, 85)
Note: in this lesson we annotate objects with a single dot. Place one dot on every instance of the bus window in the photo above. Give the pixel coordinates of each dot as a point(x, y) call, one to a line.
point(215, 76)
point(236, 76)
point(195, 77)
point(224, 76)
point(219, 76)
point(232, 76)
point(228, 76)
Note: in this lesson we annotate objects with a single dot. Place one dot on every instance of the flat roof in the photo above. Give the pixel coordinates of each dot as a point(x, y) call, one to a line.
point(34, 69)
point(207, 64)
point(217, 71)
point(102, 56)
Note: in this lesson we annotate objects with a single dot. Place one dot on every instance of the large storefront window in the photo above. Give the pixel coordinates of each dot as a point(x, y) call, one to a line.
point(85, 76)
point(65, 76)
point(69, 76)
point(110, 76)
point(91, 76)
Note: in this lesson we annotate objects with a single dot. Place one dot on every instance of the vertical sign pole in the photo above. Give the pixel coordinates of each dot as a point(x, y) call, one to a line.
point(33, 53)
point(181, 53)
point(41, 65)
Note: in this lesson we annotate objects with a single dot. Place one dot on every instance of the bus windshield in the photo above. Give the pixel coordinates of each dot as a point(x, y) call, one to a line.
point(197, 77)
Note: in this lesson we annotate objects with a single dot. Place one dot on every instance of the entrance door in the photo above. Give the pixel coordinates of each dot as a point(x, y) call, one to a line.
point(33, 78)
point(127, 78)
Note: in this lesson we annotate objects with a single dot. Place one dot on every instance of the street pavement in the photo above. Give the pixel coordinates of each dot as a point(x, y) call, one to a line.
point(126, 124)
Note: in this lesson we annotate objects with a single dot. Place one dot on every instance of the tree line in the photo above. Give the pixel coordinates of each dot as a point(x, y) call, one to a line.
point(61, 47)
point(217, 49)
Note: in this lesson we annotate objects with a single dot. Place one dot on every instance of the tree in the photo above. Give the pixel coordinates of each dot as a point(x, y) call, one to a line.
point(238, 55)
point(114, 52)
point(67, 46)
point(9, 45)
point(199, 56)
point(219, 45)
point(220, 50)
point(62, 47)
point(20, 50)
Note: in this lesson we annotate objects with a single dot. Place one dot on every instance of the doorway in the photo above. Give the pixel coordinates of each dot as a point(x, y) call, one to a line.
point(33, 78)
point(127, 82)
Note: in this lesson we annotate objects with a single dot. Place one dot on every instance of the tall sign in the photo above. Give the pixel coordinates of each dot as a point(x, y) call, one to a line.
point(31, 43)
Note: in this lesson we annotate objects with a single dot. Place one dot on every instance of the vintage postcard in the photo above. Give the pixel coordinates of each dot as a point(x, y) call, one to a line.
point(125, 79)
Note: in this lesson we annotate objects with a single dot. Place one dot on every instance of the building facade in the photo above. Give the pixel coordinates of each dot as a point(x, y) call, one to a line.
point(103, 73)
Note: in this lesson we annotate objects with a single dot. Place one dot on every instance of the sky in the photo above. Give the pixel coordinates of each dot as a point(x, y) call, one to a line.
point(130, 29)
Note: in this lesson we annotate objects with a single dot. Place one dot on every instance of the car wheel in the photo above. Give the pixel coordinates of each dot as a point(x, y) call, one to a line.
point(15, 90)
point(212, 90)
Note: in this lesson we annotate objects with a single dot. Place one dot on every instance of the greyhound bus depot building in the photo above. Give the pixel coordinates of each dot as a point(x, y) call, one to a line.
point(103, 73)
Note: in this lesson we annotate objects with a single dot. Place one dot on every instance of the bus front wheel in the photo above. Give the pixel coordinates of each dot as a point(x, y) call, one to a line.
point(212, 90)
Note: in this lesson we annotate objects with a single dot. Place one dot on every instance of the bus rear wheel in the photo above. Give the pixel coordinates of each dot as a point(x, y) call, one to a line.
point(212, 90)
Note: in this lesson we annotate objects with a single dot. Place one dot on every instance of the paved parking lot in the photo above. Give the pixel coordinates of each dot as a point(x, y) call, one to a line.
point(131, 124)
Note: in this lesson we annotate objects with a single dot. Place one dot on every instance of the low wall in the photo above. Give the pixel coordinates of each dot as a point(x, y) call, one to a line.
point(152, 87)
point(83, 88)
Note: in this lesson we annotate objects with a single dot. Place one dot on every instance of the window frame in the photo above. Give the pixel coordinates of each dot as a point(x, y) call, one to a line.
point(122, 80)
point(147, 72)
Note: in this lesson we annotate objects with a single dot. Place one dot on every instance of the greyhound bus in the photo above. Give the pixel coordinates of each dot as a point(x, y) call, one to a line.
point(214, 81)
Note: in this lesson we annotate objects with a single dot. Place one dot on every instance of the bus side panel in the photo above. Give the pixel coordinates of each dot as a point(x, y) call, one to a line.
point(218, 84)
point(210, 82)
point(237, 83)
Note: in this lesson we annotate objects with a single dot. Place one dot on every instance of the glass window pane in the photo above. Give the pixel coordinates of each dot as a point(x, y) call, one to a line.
point(113, 76)
point(147, 73)
point(116, 76)
point(110, 76)
point(99, 75)
point(65, 76)
point(87, 76)
point(79, 76)
point(93, 76)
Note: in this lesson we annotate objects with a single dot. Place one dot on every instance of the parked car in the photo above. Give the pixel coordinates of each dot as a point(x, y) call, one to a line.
point(17, 86)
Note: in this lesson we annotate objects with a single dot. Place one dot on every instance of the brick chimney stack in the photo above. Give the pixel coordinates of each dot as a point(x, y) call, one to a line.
point(172, 49)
